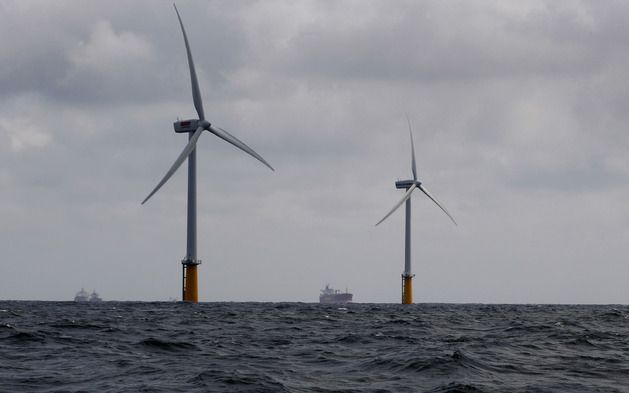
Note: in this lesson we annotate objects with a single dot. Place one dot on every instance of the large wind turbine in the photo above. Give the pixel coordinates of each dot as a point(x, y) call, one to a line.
point(410, 186)
point(194, 128)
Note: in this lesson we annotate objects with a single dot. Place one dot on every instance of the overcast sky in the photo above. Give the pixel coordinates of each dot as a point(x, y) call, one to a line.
point(519, 109)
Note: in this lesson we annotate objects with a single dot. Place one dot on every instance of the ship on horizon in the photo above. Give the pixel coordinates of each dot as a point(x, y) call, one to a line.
point(84, 296)
point(330, 295)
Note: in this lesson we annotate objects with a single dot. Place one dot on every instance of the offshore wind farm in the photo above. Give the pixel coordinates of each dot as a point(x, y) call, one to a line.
point(523, 143)
point(519, 126)
point(194, 127)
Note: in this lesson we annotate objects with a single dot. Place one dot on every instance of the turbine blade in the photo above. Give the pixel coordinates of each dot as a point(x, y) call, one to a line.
point(406, 196)
point(196, 93)
point(413, 164)
point(184, 154)
point(226, 136)
point(425, 191)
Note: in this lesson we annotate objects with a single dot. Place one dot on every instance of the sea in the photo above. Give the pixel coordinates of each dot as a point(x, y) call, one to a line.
point(302, 347)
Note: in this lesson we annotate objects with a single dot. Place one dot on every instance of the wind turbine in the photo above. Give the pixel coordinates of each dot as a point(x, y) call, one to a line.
point(194, 128)
point(410, 186)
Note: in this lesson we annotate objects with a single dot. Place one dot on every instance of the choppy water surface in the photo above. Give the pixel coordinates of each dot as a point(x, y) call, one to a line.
point(293, 347)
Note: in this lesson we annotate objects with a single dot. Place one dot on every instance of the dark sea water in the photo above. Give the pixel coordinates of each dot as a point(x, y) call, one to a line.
point(296, 347)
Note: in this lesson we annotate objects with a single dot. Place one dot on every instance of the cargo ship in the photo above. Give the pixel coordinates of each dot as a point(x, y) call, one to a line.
point(332, 296)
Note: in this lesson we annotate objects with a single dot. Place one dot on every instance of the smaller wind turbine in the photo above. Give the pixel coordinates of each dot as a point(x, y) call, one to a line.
point(410, 186)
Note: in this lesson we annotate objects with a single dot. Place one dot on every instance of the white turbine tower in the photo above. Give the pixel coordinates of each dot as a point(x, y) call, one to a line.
point(194, 128)
point(410, 186)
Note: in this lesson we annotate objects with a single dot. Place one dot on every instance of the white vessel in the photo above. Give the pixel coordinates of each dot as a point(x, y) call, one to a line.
point(82, 296)
point(94, 297)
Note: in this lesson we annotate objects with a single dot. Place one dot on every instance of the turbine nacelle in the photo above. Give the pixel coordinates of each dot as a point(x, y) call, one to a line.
point(406, 184)
point(183, 126)
point(191, 125)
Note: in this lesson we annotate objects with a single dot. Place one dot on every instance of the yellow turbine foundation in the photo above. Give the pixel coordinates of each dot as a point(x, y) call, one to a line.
point(191, 284)
point(407, 290)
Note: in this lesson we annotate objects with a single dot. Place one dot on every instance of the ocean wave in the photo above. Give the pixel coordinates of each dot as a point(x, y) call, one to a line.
point(292, 347)
point(165, 345)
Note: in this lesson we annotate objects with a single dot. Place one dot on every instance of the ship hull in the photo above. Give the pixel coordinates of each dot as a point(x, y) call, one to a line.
point(337, 298)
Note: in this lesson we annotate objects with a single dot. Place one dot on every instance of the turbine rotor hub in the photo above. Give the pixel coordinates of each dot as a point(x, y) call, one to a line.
point(205, 124)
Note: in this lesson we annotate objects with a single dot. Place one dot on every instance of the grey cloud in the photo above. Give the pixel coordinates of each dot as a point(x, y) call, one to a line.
point(418, 42)
point(591, 177)
point(101, 52)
